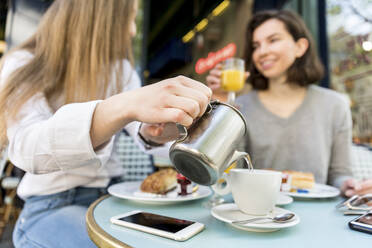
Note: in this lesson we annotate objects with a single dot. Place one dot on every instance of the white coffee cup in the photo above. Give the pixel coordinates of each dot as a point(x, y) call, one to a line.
point(255, 192)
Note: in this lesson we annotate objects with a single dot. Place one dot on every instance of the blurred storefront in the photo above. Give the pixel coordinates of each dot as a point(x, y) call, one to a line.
point(190, 32)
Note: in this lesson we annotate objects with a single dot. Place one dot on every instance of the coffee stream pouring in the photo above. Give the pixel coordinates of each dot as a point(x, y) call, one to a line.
point(208, 148)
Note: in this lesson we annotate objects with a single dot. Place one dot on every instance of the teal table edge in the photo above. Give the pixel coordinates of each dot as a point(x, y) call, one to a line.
point(98, 235)
point(321, 225)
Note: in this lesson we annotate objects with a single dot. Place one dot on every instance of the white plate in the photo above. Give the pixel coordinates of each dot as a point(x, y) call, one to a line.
point(318, 191)
point(283, 200)
point(131, 191)
point(230, 212)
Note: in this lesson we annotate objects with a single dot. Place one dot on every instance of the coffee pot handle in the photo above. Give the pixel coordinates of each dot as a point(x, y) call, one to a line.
point(182, 130)
point(222, 187)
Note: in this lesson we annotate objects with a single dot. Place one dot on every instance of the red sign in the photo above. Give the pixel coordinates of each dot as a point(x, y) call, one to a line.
point(205, 64)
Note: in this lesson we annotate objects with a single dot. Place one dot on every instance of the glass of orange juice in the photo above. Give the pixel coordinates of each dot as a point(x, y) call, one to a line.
point(232, 77)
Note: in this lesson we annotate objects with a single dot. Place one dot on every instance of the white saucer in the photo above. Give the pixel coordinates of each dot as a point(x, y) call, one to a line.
point(230, 212)
point(283, 200)
point(318, 191)
point(131, 191)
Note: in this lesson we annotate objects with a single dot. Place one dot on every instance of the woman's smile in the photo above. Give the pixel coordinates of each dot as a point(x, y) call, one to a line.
point(267, 64)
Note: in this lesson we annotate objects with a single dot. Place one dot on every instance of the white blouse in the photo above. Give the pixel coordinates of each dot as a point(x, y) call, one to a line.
point(54, 148)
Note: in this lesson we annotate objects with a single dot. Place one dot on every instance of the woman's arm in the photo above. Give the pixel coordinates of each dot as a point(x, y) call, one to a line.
point(340, 163)
point(41, 141)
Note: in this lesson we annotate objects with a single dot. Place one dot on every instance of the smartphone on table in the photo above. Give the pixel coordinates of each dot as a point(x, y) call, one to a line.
point(363, 223)
point(164, 226)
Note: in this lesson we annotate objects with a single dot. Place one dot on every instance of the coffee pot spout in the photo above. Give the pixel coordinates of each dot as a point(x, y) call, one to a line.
point(237, 155)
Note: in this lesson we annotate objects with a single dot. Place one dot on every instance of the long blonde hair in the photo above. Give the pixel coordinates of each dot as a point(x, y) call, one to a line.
point(77, 50)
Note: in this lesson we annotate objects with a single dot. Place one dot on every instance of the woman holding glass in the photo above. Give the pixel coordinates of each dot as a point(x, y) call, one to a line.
point(64, 95)
point(232, 77)
point(293, 124)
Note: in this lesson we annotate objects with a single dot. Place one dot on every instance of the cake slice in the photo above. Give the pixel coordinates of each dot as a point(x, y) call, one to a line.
point(300, 180)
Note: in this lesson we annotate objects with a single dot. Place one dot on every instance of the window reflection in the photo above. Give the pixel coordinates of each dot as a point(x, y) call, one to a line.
point(349, 25)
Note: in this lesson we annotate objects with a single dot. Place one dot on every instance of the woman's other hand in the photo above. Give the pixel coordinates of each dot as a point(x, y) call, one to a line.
point(214, 78)
point(352, 187)
point(215, 83)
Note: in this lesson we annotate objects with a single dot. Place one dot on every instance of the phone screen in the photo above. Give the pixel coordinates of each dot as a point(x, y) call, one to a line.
point(160, 222)
point(366, 219)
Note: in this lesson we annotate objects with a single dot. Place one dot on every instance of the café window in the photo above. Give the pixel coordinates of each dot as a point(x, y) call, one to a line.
point(349, 25)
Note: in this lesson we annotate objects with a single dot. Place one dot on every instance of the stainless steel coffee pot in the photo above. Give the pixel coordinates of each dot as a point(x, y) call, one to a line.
point(208, 147)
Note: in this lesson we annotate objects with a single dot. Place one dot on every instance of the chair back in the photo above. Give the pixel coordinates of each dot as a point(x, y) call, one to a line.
point(136, 163)
point(3, 161)
point(361, 156)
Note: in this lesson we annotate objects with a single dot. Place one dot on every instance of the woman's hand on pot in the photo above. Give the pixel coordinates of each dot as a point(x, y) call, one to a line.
point(175, 100)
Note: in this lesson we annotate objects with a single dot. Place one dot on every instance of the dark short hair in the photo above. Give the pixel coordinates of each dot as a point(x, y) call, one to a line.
point(305, 70)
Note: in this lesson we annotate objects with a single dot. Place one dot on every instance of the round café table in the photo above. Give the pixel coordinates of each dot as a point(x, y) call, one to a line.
point(322, 225)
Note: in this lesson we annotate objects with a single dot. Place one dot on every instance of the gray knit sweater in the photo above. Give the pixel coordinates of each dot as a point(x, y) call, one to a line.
point(315, 138)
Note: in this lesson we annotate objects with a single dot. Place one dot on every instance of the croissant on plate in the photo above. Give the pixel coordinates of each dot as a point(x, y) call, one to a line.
point(160, 182)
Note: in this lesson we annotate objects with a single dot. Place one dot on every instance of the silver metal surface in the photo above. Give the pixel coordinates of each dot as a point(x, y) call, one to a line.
point(206, 151)
point(281, 218)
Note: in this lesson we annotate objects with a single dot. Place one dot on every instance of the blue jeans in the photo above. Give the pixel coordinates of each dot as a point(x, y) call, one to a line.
point(56, 220)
